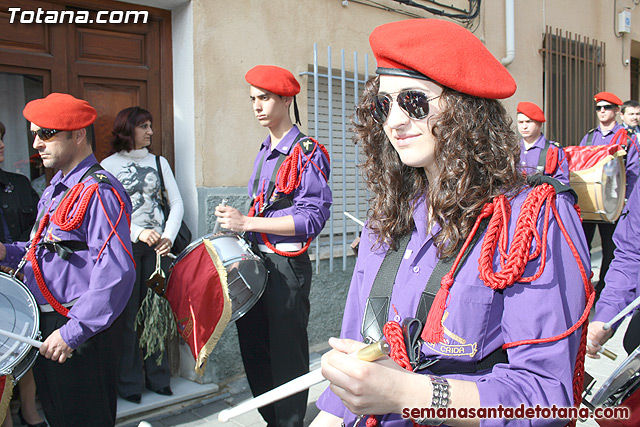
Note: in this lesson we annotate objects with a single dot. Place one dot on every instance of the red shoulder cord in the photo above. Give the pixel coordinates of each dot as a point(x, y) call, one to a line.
point(69, 215)
point(512, 262)
point(288, 179)
point(551, 162)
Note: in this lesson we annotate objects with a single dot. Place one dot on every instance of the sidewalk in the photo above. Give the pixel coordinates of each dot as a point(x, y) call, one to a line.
point(198, 405)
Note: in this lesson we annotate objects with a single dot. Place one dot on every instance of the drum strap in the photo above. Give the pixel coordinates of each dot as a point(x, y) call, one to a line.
point(590, 137)
point(542, 158)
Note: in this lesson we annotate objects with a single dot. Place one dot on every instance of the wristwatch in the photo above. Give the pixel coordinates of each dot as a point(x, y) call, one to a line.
point(439, 399)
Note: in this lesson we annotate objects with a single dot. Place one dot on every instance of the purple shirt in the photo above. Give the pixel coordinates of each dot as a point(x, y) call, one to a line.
point(311, 200)
point(102, 285)
point(623, 277)
point(479, 320)
point(529, 158)
point(632, 162)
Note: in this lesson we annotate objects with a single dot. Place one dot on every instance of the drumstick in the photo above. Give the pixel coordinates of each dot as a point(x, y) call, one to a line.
point(369, 354)
point(607, 353)
point(216, 226)
point(348, 215)
point(627, 309)
point(21, 338)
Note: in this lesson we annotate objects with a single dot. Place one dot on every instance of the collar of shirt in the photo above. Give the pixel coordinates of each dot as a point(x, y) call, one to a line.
point(285, 143)
point(4, 178)
point(538, 143)
point(74, 176)
point(614, 129)
point(420, 220)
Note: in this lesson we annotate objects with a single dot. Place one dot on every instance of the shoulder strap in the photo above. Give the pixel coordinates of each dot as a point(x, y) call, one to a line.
point(163, 202)
point(542, 158)
point(376, 311)
point(590, 136)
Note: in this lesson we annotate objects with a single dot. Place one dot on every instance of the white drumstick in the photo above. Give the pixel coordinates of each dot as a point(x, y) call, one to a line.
point(369, 353)
point(21, 338)
point(348, 215)
point(608, 353)
point(624, 312)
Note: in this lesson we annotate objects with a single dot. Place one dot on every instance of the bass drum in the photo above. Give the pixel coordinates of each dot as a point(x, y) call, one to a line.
point(246, 272)
point(601, 186)
point(18, 314)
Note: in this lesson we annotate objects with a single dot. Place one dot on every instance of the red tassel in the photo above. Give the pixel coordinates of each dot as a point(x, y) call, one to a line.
point(432, 331)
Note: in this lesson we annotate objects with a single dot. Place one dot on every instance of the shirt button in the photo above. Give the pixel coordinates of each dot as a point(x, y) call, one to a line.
point(416, 269)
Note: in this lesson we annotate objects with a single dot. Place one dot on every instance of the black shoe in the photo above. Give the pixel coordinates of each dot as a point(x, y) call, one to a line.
point(133, 398)
point(24, 422)
point(165, 391)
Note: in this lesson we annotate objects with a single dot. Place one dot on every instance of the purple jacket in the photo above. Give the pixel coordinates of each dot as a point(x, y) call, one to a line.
point(479, 320)
point(529, 159)
point(102, 285)
point(311, 200)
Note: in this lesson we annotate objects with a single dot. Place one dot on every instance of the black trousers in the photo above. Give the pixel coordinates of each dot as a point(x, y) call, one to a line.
point(131, 378)
point(606, 236)
point(273, 337)
point(82, 391)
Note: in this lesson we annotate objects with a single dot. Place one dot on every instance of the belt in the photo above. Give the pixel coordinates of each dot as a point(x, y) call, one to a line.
point(284, 247)
point(47, 308)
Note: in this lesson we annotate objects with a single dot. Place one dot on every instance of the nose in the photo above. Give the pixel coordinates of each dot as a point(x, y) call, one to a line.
point(37, 143)
point(257, 105)
point(396, 117)
point(150, 131)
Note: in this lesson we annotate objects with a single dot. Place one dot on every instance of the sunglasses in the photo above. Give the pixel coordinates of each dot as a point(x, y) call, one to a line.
point(414, 103)
point(45, 134)
point(608, 107)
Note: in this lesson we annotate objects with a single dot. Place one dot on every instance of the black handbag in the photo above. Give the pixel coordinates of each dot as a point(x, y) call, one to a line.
point(183, 238)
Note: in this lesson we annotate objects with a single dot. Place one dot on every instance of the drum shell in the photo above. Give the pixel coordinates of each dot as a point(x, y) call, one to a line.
point(16, 299)
point(591, 184)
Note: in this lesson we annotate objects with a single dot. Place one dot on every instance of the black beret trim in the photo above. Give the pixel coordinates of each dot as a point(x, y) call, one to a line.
point(402, 73)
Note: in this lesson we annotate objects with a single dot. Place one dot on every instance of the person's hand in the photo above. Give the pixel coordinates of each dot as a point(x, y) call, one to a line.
point(231, 219)
point(371, 388)
point(149, 236)
point(3, 251)
point(598, 337)
point(163, 247)
point(55, 348)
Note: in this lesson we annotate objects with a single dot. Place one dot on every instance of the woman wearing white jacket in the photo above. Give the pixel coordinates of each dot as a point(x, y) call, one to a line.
point(151, 234)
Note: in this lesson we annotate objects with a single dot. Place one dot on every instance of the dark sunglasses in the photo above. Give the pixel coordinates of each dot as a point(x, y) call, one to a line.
point(608, 107)
point(45, 134)
point(414, 103)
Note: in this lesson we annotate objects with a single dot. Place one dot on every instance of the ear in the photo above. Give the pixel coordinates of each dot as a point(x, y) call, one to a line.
point(80, 136)
point(287, 100)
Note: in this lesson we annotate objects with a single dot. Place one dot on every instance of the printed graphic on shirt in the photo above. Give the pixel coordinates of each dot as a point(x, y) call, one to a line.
point(143, 185)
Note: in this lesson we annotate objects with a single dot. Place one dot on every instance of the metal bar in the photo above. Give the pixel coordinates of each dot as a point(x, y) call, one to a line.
point(356, 97)
point(315, 130)
point(330, 100)
point(343, 99)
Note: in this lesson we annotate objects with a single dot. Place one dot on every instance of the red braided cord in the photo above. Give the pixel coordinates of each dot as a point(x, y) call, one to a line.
point(69, 215)
point(37, 273)
point(288, 179)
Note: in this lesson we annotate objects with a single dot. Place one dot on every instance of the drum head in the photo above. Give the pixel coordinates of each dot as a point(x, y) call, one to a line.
point(621, 383)
point(18, 314)
point(613, 189)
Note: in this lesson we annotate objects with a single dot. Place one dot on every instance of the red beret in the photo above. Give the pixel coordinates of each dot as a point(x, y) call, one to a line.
point(60, 111)
point(607, 96)
point(441, 51)
point(273, 79)
point(532, 111)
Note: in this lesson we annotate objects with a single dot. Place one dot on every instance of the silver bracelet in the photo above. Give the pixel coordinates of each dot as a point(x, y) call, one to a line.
point(439, 399)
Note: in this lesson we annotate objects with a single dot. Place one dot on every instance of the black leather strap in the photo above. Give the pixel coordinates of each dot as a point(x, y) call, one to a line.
point(376, 311)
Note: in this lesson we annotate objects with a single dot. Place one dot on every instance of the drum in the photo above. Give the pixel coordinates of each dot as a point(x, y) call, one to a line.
point(597, 175)
point(620, 384)
point(246, 272)
point(18, 314)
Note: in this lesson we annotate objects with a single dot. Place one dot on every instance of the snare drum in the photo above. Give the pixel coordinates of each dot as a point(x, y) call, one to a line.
point(18, 314)
point(597, 175)
point(246, 272)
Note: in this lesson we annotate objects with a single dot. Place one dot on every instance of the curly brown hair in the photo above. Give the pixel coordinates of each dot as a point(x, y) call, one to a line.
point(478, 159)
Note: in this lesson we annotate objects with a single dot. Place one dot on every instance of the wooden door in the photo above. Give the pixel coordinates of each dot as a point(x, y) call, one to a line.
point(112, 66)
